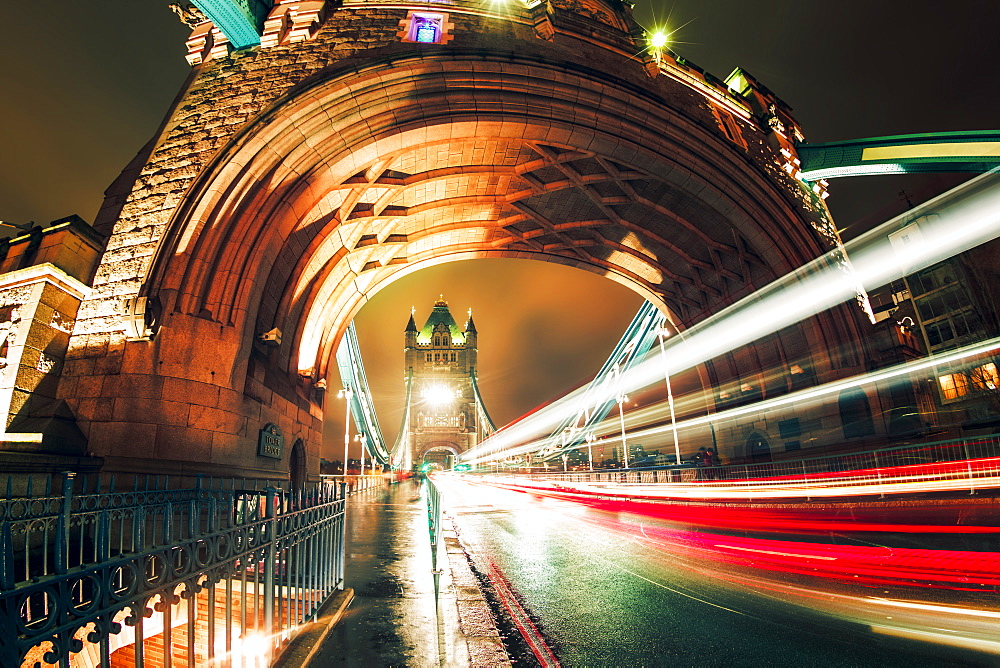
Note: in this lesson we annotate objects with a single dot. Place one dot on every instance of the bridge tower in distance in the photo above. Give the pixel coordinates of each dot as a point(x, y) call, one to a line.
point(440, 363)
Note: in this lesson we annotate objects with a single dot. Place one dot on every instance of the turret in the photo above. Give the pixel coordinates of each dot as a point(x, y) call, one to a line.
point(411, 332)
point(471, 335)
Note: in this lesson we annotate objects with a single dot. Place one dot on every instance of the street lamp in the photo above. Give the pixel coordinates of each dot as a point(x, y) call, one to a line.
point(590, 452)
point(621, 399)
point(662, 333)
point(360, 438)
point(346, 393)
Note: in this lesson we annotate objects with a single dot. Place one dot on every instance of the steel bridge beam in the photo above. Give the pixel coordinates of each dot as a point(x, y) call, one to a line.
point(240, 21)
point(973, 151)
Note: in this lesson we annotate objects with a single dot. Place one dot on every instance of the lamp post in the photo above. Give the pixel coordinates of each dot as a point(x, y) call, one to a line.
point(590, 451)
point(670, 396)
point(346, 393)
point(621, 399)
point(360, 438)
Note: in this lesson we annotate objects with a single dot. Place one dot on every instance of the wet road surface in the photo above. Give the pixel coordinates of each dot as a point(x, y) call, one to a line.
point(605, 594)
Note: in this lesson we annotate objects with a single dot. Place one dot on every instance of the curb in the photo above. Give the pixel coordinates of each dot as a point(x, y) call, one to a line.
point(478, 626)
point(300, 651)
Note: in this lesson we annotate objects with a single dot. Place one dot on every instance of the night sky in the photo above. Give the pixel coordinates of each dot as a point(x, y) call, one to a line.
point(85, 85)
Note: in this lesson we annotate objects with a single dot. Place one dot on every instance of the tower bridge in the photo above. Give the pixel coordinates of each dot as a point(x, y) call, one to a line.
point(320, 151)
point(360, 142)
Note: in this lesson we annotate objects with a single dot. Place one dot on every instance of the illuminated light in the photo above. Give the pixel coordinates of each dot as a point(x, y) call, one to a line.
point(936, 608)
point(437, 395)
point(426, 33)
point(659, 39)
point(780, 554)
point(855, 170)
point(979, 644)
point(971, 149)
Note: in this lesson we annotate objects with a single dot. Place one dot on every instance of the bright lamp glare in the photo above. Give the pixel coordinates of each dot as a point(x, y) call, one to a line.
point(659, 39)
point(437, 395)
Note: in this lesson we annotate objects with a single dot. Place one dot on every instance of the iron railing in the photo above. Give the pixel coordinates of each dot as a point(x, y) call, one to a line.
point(971, 460)
point(434, 521)
point(221, 572)
point(359, 483)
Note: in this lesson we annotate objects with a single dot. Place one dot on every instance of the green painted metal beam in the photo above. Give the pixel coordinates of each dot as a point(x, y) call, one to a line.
point(968, 151)
point(240, 21)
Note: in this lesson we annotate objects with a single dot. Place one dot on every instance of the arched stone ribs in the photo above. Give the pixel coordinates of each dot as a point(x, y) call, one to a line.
point(287, 272)
point(229, 253)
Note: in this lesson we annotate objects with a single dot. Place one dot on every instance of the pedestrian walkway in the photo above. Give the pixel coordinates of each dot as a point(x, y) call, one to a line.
point(402, 614)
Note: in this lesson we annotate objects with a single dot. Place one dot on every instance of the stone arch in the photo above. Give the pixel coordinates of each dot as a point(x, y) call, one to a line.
point(371, 170)
point(758, 448)
point(855, 413)
point(437, 446)
point(297, 466)
point(290, 201)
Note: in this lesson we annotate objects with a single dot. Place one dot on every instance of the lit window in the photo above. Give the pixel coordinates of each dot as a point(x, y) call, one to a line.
point(985, 377)
point(953, 385)
point(425, 29)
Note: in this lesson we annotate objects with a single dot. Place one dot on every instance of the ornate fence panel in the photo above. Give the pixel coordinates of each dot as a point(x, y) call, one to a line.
point(220, 572)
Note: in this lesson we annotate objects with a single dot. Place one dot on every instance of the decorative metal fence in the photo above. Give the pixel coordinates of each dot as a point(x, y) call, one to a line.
point(434, 520)
point(972, 462)
point(360, 483)
point(220, 573)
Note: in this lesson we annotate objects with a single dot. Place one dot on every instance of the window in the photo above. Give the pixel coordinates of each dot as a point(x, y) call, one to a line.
point(729, 126)
point(953, 386)
point(454, 358)
point(940, 332)
point(429, 358)
point(425, 28)
point(985, 377)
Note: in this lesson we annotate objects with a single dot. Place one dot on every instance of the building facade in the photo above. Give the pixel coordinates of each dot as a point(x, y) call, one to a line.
point(441, 365)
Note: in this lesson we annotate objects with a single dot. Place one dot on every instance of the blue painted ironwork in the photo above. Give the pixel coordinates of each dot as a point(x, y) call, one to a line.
point(433, 520)
point(600, 396)
point(241, 21)
point(353, 378)
point(976, 151)
point(485, 421)
point(150, 568)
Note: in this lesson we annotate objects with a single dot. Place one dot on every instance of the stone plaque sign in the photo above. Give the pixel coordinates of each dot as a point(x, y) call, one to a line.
point(271, 443)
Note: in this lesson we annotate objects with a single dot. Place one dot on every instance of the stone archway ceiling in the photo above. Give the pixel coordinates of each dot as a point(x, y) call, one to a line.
point(515, 197)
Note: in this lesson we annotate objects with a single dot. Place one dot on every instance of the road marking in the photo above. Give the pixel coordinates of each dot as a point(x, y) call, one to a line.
point(780, 554)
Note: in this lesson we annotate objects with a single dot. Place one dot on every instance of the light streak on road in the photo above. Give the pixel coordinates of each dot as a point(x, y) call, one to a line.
point(956, 221)
point(800, 399)
point(796, 554)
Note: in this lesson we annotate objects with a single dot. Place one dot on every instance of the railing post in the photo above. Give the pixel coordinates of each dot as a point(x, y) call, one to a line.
point(62, 530)
point(342, 539)
point(269, 562)
point(968, 467)
point(6, 557)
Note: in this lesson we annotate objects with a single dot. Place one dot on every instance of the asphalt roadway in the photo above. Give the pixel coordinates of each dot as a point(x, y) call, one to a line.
point(603, 593)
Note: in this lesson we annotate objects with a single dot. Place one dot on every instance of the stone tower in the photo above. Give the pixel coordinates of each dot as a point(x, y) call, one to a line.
point(321, 150)
point(440, 361)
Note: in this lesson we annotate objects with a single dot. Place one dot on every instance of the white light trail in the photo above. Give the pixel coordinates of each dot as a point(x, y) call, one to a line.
point(951, 223)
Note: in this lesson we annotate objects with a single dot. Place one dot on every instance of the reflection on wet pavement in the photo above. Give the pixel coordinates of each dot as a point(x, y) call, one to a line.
point(395, 618)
